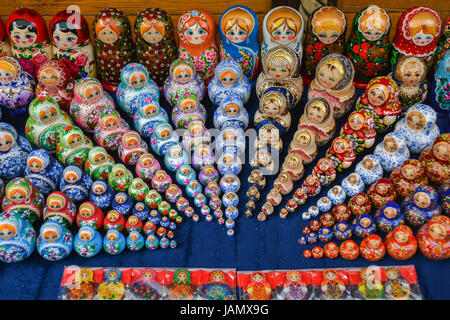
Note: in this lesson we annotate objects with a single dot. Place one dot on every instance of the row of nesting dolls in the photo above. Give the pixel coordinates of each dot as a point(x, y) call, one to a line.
point(368, 45)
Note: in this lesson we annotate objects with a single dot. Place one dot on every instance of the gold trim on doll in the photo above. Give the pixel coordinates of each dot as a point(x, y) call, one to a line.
point(269, 136)
point(328, 23)
point(318, 117)
point(273, 107)
point(237, 19)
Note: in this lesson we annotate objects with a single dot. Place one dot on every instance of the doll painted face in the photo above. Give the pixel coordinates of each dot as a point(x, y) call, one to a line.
point(329, 75)
point(49, 78)
point(340, 146)
point(382, 188)
point(390, 145)
point(35, 164)
point(317, 112)
point(283, 30)
point(111, 122)
point(330, 275)
point(108, 34)
point(50, 236)
point(423, 27)
point(92, 93)
point(131, 140)
point(137, 80)
point(99, 189)
point(183, 74)
point(7, 72)
point(360, 200)
point(412, 72)
point(71, 177)
point(196, 34)
point(293, 161)
point(86, 210)
point(6, 142)
point(437, 231)
point(188, 106)
point(23, 33)
point(390, 212)
point(422, 200)
point(415, 120)
point(153, 31)
point(365, 222)
point(441, 150)
point(353, 179)
point(85, 236)
point(7, 231)
point(368, 164)
point(408, 171)
point(64, 40)
point(328, 24)
point(374, 23)
point(303, 139)
point(148, 276)
point(356, 122)
point(55, 202)
point(271, 108)
point(324, 164)
point(377, 95)
point(75, 140)
point(48, 115)
point(17, 195)
point(228, 79)
point(422, 39)
point(372, 33)
point(401, 236)
point(279, 71)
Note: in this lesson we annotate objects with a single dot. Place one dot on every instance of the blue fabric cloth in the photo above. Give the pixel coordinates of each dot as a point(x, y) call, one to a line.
point(256, 245)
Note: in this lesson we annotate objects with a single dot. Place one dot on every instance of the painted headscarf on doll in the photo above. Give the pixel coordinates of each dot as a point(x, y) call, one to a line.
point(64, 74)
point(38, 161)
point(29, 19)
point(442, 77)
point(160, 20)
point(134, 76)
point(45, 111)
point(391, 105)
point(281, 56)
point(344, 68)
point(11, 66)
point(64, 21)
point(229, 67)
point(118, 22)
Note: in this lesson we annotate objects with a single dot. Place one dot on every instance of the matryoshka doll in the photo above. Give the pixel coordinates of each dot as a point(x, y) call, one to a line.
point(420, 206)
point(417, 34)
point(99, 163)
point(114, 242)
point(55, 242)
point(293, 166)
point(5, 46)
point(43, 127)
point(56, 80)
point(147, 166)
point(131, 148)
point(187, 110)
point(435, 159)
point(283, 26)
point(120, 177)
point(304, 144)
point(16, 86)
point(401, 243)
point(72, 44)
point(17, 238)
point(392, 151)
point(156, 48)
point(381, 100)
point(325, 34)
point(89, 215)
point(83, 287)
point(258, 287)
point(73, 146)
point(370, 286)
point(318, 117)
point(75, 183)
point(181, 287)
point(163, 138)
point(408, 177)
point(113, 45)
point(138, 189)
point(238, 28)
point(109, 130)
point(14, 150)
point(388, 217)
point(360, 204)
point(89, 102)
point(101, 194)
point(341, 153)
point(60, 208)
point(217, 288)
point(434, 238)
point(30, 43)
point(333, 81)
point(114, 220)
point(148, 116)
point(281, 72)
point(349, 250)
point(183, 80)
point(231, 111)
point(112, 288)
point(228, 80)
point(396, 286)
point(122, 203)
point(23, 198)
point(369, 169)
point(332, 286)
point(135, 88)
point(360, 129)
point(147, 287)
point(368, 45)
point(382, 192)
point(418, 128)
point(325, 171)
point(197, 32)
point(372, 248)
point(273, 109)
point(295, 287)
point(87, 242)
point(410, 73)
point(440, 91)
point(43, 171)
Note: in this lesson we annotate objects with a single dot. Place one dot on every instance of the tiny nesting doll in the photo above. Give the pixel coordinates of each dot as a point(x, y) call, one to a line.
point(148, 116)
point(43, 127)
point(410, 73)
point(156, 48)
point(318, 118)
point(99, 163)
point(304, 144)
point(368, 45)
point(325, 34)
point(16, 86)
point(197, 32)
point(283, 26)
point(401, 244)
point(183, 80)
point(28, 34)
point(147, 166)
point(441, 92)
point(43, 171)
point(418, 128)
point(420, 206)
point(5, 46)
point(89, 102)
point(87, 242)
point(187, 110)
point(75, 183)
point(333, 81)
point(14, 150)
point(381, 99)
point(388, 217)
point(360, 129)
point(417, 34)
point(436, 160)
point(73, 146)
point(181, 287)
point(281, 73)
point(341, 153)
point(434, 238)
point(113, 44)
point(72, 44)
point(90, 215)
point(109, 130)
point(60, 208)
point(408, 177)
point(325, 171)
point(23, 198)
point(381, 192)
point(120, 177)
point(228, 80)
point(135, 88)
point(55, 242)
point(392, 151)
point(238, 28)
point(132, 147)
point(55, 80)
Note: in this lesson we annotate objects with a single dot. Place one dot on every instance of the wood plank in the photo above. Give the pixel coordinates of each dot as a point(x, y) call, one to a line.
point(391, 6)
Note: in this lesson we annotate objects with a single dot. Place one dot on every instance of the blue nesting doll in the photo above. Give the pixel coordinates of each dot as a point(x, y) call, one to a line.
point(43, 171)
point(440, 87)
point(388, 217)
point(55, 242)
point(101, 194)
point(87, 242)
point(123, 203)
point(14, 150)
point(75, 183)
point(420, 206)
point(148, 116)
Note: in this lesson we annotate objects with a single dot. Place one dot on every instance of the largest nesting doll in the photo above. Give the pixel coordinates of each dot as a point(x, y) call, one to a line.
point(113, 45)
point(417, 34)
point(197, 32)
point(283, 26)
point(368, 45)
point(28, 34)
point(156, 48)
point(239, 35)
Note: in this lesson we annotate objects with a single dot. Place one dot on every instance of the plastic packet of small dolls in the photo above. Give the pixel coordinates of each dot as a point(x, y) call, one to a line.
point(330, 284)
point(80, 283)
point(114, 285)
point(218, 284)
point(293, 285)
point(401, 283)
point(256, 285)
point(182, 283)
point(367, 283)
point(147, 284)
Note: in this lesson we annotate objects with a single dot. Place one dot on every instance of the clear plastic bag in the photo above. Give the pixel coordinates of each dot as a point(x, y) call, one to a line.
point(293, 285)
point(218, 284)
point(330, 284)
point(79, 283)
point(256, 285)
